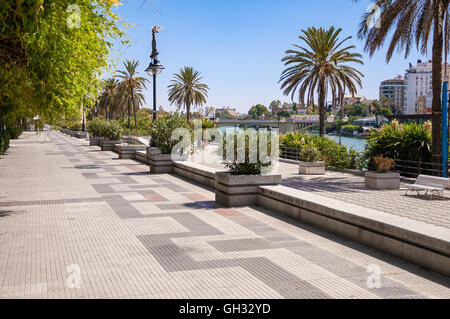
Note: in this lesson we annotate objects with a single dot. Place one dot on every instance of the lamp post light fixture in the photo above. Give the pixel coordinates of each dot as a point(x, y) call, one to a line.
point(155, 66)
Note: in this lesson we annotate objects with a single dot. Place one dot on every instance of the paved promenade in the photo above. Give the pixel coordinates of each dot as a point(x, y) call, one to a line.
point(76, 222)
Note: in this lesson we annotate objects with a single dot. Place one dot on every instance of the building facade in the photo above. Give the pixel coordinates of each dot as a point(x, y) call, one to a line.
point(395, 91)
point(353, 99)
point(419, 89)
point(232, 111)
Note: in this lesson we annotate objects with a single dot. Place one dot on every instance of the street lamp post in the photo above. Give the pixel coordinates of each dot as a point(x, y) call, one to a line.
point(83, 124)
point(155, 67)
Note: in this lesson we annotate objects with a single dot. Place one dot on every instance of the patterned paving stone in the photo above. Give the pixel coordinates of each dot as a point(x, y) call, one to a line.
point(67, 207)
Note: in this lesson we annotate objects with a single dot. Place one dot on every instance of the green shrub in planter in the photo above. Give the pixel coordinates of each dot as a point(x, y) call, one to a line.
point(251, 164)
point(162, 129)
point(95, 126)
point(76, 127)
point(310, 154)
point(112, 131)
point(333, 154)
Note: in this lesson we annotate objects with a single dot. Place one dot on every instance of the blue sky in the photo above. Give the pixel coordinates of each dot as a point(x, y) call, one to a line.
point(237, 45)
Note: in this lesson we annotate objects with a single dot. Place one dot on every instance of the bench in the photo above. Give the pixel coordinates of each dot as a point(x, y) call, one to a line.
point(430, 184)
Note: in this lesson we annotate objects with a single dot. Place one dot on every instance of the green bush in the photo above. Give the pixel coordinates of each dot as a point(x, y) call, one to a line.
point(143, 126)
point(207, 123)
point(162, 129)
point(349, 129)
point(247, 166)
point(95, 126)
point(406, 142)
point(76, 126)
point(112, 130)
point(109, 129)
point(15, 131)
point(4, 140)
point(332, 153)
point(309, 153)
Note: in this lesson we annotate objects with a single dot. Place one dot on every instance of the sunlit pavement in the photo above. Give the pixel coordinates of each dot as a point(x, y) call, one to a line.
point(76, 222)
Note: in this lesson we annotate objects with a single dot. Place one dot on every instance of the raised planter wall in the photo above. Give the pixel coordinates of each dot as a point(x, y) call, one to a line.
point(390, 180)
point(80, 134)
point(108, 145)
point(141, 156)
point(241, 190)
point(127, 151)
point(95, 140)
point(201, 174)
point(311, 168)
point(159, 163)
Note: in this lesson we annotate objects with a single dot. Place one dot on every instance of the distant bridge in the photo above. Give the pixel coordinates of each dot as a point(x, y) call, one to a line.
point(283, 126)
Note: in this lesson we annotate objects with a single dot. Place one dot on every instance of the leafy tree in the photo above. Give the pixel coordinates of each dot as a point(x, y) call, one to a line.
point(320, 68)
point(284, 114)
point(186, 90)
point(257, 111)
point(48, 63)
point(224, 115)
point(386, 103)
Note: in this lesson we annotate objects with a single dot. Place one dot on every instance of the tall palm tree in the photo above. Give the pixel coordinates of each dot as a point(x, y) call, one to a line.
point(106, 104)
point(413, 22)
point(320, 68)
point(130, 85)
point(187, 90)
point(123, 99)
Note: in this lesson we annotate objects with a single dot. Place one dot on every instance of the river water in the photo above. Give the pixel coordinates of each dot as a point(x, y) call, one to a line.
point(358, 144)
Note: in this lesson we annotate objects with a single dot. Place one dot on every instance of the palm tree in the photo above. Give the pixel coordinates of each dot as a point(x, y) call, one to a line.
point(130, 85)
point(106, 102)
point(320, 68)
point(409, 23)
point(186, 90)
point(123, 99)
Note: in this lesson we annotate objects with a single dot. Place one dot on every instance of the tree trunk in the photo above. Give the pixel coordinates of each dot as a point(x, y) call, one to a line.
point(129, 113)
point(134, 109)
point(188, 112)
point(438, 39)
point(321, 101)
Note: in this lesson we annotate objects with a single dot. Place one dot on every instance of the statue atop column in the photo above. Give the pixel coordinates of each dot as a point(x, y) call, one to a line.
point(155, 52)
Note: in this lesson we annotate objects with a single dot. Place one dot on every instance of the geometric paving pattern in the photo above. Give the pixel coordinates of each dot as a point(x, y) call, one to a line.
point(136, 235)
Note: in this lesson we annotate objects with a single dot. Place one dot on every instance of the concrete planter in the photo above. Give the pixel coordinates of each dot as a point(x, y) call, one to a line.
point(388, 180)
point(108, 145)
point(80, 134)
point(198, 173)
point(160, 163)
point(312, 168)
point(241, 190)
point(127, 151)
point(95, 140)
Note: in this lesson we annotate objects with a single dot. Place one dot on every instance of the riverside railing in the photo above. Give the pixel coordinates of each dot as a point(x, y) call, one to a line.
point(406, 168)
point(292, 153)
point(413, 169)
